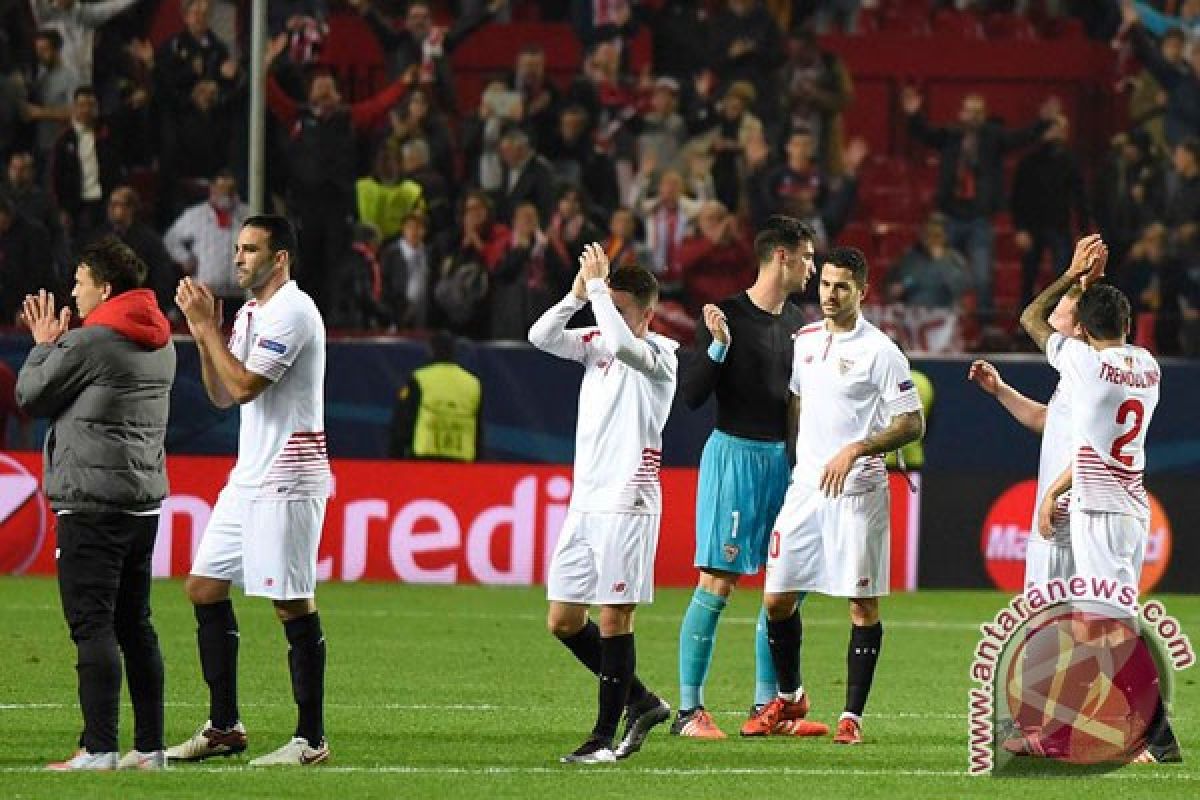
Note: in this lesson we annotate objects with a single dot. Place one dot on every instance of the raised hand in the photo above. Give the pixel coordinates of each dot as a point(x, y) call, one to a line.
point(593, 262)
point(910, 100)
point(197, 303)
point(1088, 250)
point(44, 324)
point(986, 376)
point(714, 320)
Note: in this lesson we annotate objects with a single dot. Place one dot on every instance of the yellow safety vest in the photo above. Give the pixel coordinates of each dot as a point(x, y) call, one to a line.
point(448, 416)
point(387, 206)
point(914, 452)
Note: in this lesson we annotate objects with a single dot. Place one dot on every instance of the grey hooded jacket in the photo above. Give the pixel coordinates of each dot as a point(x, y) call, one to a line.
point(106, 388)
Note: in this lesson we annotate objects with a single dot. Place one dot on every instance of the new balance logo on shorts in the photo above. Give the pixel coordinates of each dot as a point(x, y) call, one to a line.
point(863, 583)
point(618, 587)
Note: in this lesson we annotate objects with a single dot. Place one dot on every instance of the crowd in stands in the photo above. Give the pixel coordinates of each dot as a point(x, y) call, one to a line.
point(687, 124)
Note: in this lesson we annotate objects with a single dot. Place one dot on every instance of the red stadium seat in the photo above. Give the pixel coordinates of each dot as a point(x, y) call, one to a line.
point(1065, 28)
point(1013, 27)
point(911, 22)
point(884, 170)
point(858, 234)
point(960, 24)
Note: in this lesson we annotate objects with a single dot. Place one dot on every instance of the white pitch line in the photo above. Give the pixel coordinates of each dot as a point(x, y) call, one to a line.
point(668, 772)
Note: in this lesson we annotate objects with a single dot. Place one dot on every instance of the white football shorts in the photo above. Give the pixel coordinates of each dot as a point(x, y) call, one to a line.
point(269, 547)
point(1107, 545)
point(604, 558)
point(838, 546)
point(1047, 559)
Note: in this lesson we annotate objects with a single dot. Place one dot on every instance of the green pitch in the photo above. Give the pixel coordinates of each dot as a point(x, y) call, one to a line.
point(459, 692)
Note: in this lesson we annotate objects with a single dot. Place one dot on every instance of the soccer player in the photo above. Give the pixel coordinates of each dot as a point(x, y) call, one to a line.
point(266, 525)
point(605, 551)
point(1114, 389)
point(744, 358)
point(1045, 558)
point(855, 401)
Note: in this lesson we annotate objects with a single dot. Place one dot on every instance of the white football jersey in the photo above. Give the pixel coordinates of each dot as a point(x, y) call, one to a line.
point(624, 401)
point(1113, 396)
point(1055, 456)
point(850, 386)
point(281, 444)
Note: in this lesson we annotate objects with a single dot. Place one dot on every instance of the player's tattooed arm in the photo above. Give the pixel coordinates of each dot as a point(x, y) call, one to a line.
point(905, 427)
point(1035, 319)
point(1046, 511)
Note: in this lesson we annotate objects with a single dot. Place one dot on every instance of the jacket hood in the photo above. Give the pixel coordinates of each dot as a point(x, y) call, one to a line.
point(134, 315)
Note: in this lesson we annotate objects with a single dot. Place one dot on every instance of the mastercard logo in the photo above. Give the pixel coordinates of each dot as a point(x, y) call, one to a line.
point(1005, 537)
point(23, 516)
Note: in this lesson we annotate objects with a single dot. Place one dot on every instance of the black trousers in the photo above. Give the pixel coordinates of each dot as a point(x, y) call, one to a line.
point(104, 578)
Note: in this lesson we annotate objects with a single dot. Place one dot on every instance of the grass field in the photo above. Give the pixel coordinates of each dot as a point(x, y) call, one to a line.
point(459, 692)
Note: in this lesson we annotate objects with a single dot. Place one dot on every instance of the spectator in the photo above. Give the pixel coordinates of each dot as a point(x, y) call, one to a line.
point(568, 231)
point(798, 187)
point(716, 262)
point(528, 177)
point(520, 286)
point(434, 188)
point(697, 173)
point(386, 197)
point(438, 412)
point(574, 159)
point(931, 274)
point(1148, 99)
point(85, 167)
point(472, 253)
point(971, 179)
point(424, 46)
point(408, 266)
point(604, 91)
point(196, 143)
point(24, 267)
point(661, 129)
point(203, 238)
point(681, 39)
point(667, 217)
point(1128, 181)
point(37, 205)
point(1180, 81)
point(1157, 282)
point(1047, 191)
point(540, 98)
point(1181, 197)
point(499, 109)
point(622, 245)
point(603, 20)
point(50, 94)
point(193, 54)
point(735, 127)
point(748, 46)
point(76, 22)
point(321, 160)
point(13, 100)
point(837, 14)
point(360, 299)
point(414, 118)
point(162, 273)
point(815, 90)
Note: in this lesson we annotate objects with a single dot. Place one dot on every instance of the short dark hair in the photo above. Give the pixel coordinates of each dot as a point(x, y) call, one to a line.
point(83, 91)
point(111, 261)
point(52, 36)
point(441, 345)
point(780, 231)
point(1174, 33)
point(281, 236)
point(850, 258)
point(1104, 311)
point(638, 281)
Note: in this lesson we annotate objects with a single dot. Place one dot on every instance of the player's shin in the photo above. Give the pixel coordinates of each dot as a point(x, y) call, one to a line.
point(784, 636)
point(697, 636)
point(217, 636)
point(306, 662)
point(618, 662)
point(862, 655)
point(766, 685)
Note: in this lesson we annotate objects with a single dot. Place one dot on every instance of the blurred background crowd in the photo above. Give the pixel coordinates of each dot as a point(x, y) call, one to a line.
point(445, 175)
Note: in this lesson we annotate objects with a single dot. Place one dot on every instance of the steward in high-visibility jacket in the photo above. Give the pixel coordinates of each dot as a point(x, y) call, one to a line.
point(437, 413)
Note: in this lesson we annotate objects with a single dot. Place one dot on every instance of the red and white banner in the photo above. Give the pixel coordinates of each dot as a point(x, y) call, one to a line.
point(409, 522)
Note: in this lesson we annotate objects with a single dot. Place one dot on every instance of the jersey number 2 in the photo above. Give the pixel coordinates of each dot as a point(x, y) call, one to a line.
point(1130, 408)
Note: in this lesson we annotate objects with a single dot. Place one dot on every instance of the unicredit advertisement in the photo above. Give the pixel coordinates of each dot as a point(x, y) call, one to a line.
point(408, 522)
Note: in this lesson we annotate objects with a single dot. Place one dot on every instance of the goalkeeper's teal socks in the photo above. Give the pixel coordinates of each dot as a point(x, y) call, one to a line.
point(765, 683)
point(697, 635)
